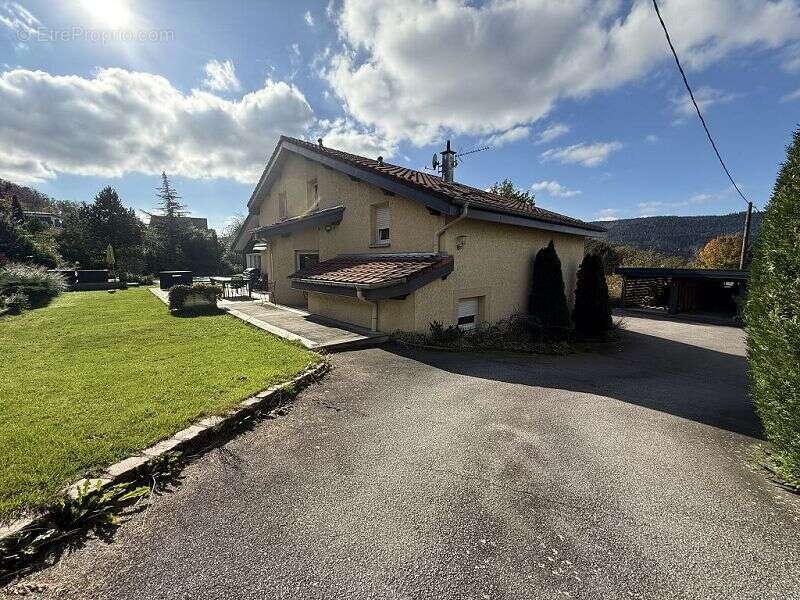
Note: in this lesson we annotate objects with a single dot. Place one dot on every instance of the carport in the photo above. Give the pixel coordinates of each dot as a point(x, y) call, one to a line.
point(714, 291)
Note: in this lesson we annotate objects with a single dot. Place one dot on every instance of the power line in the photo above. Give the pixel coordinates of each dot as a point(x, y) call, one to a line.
point(696, 107)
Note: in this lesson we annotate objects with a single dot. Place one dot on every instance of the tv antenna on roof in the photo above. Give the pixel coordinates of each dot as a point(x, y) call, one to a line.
point(473, 151)
point(449, 160)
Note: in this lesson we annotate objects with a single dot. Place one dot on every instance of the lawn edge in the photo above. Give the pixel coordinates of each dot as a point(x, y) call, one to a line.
point(194, 439)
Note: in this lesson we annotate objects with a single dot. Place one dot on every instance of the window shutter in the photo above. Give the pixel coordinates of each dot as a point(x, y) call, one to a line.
point(383, 218)
point(282, 206)
point(467, 307)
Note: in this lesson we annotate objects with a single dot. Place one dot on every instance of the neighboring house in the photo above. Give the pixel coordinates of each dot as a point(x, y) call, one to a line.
point(47, 219)
point(389, 248)
point(196, 222)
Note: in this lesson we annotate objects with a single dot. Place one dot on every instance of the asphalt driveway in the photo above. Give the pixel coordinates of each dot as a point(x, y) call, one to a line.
point(408, 475)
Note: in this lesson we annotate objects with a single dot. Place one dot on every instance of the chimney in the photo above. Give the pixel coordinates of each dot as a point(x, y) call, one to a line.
point(448, 163)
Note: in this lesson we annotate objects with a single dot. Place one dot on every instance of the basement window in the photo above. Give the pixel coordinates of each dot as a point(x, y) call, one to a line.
point(468, 310)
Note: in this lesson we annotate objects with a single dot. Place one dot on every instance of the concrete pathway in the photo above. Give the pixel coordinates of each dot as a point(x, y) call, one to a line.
point(313, 332)
point(618, 474)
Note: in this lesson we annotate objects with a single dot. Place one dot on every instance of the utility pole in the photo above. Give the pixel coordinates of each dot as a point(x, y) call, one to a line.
point(746, 236)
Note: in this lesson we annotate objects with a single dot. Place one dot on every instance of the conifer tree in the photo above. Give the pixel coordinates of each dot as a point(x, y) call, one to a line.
point(772, 316)
point(169, 200)
point(592, 313)
point(547, 304)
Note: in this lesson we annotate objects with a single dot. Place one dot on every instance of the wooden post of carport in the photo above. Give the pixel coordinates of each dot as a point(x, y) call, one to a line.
point(674, 294)
point(624, 294)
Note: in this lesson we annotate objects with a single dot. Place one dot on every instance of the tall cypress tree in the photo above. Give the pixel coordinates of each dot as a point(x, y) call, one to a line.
point(592, 313)
point(772, 315)
point(164, 249)
point(169, 200)
point(547, 305)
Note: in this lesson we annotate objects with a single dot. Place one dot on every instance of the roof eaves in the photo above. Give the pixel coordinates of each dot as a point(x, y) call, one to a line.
point(437, 199)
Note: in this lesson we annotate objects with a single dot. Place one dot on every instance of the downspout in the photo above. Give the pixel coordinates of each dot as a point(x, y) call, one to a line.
point(437, 237)
point(271, 280)
point(374, 324)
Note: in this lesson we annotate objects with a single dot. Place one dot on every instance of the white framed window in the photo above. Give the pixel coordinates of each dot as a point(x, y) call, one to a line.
point(253, 260)
point(382, 218)
point(468, 311)
point(283, 209)
point(306, 258)
point(313, 194)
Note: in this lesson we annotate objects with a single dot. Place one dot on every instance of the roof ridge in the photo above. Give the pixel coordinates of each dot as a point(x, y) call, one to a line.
point(454, 192)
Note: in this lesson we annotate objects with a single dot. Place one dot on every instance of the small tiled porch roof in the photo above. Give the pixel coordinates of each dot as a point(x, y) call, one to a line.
point(373, 276)
point(319, 218)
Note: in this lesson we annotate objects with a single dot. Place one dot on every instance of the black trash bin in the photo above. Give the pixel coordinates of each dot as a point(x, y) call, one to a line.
point(166, 279)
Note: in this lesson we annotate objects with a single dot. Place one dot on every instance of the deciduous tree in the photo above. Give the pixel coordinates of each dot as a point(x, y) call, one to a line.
point(507, 189)
point(720, 253)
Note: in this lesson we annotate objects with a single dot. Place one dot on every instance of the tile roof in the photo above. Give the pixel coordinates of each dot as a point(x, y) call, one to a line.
point(456, 193)
point(371, 269)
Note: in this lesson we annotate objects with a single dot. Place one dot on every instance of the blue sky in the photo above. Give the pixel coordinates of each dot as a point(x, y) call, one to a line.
point(580, 100)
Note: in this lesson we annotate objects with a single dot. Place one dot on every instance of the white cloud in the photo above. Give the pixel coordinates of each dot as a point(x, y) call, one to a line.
point(608, 214)
point(556, 130)
point(221, 76)
point(791, 59)
point(651, 138)
point(343, 134)
point(554, 188)
point(417, 68)
point(121, 121)
point(795, 95)
point(508, 137)
point(647, 209)
point(706, 96)
point(309, 18)
point(653, 207)
point(588, 155)
point(18, 19)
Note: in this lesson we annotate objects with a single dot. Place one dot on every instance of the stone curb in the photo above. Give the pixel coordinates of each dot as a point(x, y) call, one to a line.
point(194, 438)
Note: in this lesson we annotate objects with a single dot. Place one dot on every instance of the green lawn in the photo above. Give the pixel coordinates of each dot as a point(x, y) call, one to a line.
point(94, 377)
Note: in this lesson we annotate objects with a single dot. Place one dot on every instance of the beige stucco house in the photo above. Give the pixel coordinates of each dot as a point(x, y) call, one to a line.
point(389, 248)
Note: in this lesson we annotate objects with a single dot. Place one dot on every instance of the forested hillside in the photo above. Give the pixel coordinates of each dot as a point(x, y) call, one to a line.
point(29, 198)
point(675, 236)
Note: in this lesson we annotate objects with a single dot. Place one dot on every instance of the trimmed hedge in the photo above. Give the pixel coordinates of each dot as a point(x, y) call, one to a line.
point(772, 317)
point(178, 294)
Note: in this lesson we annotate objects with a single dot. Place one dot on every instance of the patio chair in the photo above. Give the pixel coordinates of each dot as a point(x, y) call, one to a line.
point(238, 282)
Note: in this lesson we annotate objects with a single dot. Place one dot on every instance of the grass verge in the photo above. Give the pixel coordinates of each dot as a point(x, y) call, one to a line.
point(94, 377)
